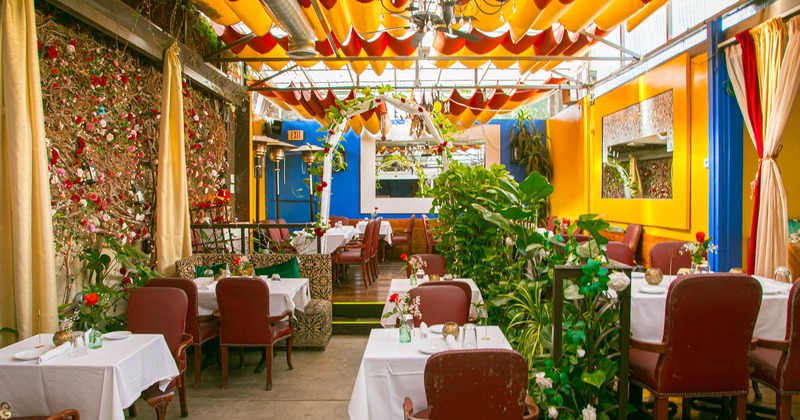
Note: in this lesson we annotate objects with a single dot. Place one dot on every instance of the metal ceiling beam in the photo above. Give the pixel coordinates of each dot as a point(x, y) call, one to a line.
point(620, 48)
point(411, 58)
point(270, 77)
point(504, 87)
point(120, 22)
point(570, 78)
point(234, 44)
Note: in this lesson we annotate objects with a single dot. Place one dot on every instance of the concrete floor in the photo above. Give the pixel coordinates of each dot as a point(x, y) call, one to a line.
point(318, 387)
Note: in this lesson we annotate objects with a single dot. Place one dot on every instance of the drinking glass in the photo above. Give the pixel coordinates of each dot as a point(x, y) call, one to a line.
point(782, 274)
point(485, 315)
point(208, 273)
point(470, 337)
point(79, 345)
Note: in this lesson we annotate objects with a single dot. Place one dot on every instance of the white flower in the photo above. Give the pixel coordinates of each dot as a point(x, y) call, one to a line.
point(618, 281)
point(543, 382)
point(79, 173)
point(109, 137)
point(509, 241)
point(82, 202)
point(70, 48)
point(589, 413)
point(139, 217)
point(581, 352)
point(103, 123)
point(572, 292)
point(106, 217)
point(552, 412)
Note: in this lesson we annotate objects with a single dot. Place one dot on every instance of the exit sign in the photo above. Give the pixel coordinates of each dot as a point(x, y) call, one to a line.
point(295, 134)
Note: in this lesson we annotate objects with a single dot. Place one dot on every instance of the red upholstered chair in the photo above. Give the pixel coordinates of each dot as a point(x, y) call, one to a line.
point(581, 238)
point(201, 329)
point(357, 253)
point(404, 238)
point(464, 286)
point(777, 363)
point(376, 244)
point(708, 330)
point(162, 310)
point(475, 384)
point(551, 224)
point(278, 243)
point(633, 234)
point(668, 257)
point(285, 236)
point(430, 240)
point(441, 304)
point(435, 264)
point(70, 414)
point(620, 253)
point(333, 219)
point(245, 321)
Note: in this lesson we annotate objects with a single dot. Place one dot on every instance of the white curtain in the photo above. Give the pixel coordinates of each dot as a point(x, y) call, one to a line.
point(27, 255)
point(773, 234)
point(173, 231)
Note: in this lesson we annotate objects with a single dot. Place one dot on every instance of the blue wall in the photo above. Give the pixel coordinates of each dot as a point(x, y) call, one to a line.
point(345, 193)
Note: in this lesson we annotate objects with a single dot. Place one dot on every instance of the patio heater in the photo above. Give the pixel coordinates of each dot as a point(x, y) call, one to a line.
point(277, 155)
point(274, 149)
point(259, 150)
point(309, 156)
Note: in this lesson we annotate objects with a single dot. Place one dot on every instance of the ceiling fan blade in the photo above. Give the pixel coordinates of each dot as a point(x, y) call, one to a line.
point(385, 30)
point(416, 40)
point(408, 18)
point(466, 35)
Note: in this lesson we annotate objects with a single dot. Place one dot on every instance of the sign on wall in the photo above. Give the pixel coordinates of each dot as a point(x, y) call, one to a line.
point(294, 135)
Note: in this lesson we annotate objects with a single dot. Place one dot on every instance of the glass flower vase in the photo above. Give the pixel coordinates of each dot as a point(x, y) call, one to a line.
point(95, 338)
point(405, 330)
point(413, 279)
point(700, 267)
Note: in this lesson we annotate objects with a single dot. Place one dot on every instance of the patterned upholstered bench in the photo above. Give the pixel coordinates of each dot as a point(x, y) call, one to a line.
point(314, 324)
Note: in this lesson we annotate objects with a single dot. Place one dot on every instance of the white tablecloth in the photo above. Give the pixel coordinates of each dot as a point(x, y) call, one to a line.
point(404, 285)
point(306, 243)
point(648, 310)
point(391, 371)
point(292, 294)
point(385, 231)
point(99, 385)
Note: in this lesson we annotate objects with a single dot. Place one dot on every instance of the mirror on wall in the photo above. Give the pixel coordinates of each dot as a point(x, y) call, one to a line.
point(408, 168)
point(637, 150)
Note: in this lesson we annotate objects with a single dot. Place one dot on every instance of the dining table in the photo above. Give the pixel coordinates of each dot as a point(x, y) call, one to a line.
point(286, 293)
point(385, 231)
point(648, 305)
point(404, 285)
point(391, 371)
point(100, 384)
point(306, 242)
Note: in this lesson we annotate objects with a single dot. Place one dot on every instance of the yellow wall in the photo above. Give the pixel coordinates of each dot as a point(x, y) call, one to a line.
point(576, 143)
point(788, 162)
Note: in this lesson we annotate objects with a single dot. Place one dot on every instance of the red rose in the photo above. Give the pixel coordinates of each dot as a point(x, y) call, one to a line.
point(324, 184)
point(701, 237)
point(52, 52)
point(124, 79)
point(54, 159)
point(237, 260)
point(127, 280)
point(123, 271)
point(403, 256)
point(394, 298)
point(319, 188)
point(91, 299)
point(76, 198)
point(326, 150)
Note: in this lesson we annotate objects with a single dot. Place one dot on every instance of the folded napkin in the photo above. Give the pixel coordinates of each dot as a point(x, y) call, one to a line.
point(423, 330)
point(50, 354)
point(451, 342)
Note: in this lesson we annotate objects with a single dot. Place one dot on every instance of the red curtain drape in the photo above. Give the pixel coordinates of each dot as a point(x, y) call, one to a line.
point(756, 119)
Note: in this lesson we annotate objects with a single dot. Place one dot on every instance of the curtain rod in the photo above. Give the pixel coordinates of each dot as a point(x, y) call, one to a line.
point(785, 15)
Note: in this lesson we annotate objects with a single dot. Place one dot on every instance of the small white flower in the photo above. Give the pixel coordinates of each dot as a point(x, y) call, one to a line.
point(509, 241)
point(618, 281)
point(552, 412)
point(589, 413)
point(139, 217)
point(110, 137)
point(106, 217)
point(79, 173)
point(572, 292)
point(70, 48)
point(103, 123)
point(82, 202)
point(581, 352)
point(543, 382)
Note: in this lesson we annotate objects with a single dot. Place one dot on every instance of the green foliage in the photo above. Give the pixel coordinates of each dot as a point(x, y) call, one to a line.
point(532, 144)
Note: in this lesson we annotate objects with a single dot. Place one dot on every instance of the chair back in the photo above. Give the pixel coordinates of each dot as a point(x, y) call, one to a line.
point(410, 226)
point(190, 288)
point(158, 310)
point(376, 236)
point(668, 257)
point(334, 219)
point(273, 232)
point(368, 240)
point(441, 304)
point(633, 233)
point(464, 286)
point(476, 384)
point(619, 252)
point(284, 230)
point(243, 311)
point(434, 264)
point(579, 238)
point(790, 360)
point(551, 224)
point(707, 332)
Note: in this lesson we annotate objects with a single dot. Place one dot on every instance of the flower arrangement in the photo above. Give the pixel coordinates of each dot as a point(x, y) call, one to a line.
point(415, 263)
point(699, 250)
point(375, 212)
point(242, 266)
point(403, 305)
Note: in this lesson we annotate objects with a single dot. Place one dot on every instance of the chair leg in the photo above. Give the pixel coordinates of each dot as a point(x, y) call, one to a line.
point(289, 352)
point(182, 395)
point(224, 357)
point(756, 390)
point(132, 410)
point(365, 274)
point(198, 363)
point(661, 409)
point(160, 403)
point(784, 406)
point(241, 358)
point(741, 407)
point(269, 368)
point(686, 408)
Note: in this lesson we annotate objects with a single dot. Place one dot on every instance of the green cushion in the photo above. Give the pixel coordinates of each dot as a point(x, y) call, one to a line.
point(199, 270)
point(289, 269)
